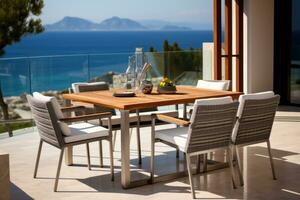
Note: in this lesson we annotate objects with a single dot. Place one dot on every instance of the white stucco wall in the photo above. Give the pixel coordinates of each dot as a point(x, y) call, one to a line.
point(258, 45)
point(207, 60)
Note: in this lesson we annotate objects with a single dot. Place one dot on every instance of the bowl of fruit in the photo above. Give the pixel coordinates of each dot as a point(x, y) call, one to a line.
point(166, 86)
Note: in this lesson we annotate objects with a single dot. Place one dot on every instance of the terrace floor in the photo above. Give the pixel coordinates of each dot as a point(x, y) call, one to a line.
point(77, 182)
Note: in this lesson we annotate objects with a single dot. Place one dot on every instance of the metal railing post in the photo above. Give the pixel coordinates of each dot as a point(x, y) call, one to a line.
point(88, 67)
point(29, 76)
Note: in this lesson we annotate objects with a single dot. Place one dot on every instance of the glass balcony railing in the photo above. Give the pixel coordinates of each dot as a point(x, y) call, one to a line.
point(48, 73)
point(55, 74)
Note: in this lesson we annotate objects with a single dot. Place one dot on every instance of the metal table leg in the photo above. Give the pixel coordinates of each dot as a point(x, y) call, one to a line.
point(69, 156)
point(125, 149)
point(184, 111)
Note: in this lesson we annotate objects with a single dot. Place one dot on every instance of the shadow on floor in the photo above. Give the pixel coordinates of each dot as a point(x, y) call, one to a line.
point(258, 179)
point(287, 118)
point(18, 194)
point(289, 108)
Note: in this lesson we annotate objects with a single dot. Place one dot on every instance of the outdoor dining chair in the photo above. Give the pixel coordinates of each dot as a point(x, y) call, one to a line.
point(53, 129)
point(138, 118)
point(208, 130)
point(209, 84)
point(89, 109)
point(255, 119)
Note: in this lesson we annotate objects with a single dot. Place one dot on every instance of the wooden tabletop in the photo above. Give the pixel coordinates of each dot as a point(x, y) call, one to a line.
point(185, 94)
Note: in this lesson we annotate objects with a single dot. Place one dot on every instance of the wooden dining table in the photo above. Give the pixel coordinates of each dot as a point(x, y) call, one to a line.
point(184, 95)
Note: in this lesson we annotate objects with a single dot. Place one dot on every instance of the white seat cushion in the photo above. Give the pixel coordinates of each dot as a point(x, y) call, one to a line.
point(242, 99)
point(85, 131)
point(213, 84)
point(177, 136)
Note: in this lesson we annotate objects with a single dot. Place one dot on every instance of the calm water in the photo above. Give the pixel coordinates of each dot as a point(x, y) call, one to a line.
point(58, 43)
point(57, 73)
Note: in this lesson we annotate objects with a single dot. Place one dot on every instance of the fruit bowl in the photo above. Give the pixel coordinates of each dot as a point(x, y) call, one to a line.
point(166, 86)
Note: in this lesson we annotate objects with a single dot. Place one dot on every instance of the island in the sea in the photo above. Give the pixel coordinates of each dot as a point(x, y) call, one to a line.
point(111, 24)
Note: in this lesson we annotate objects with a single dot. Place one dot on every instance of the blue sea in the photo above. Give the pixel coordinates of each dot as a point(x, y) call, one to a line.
point(53, 60)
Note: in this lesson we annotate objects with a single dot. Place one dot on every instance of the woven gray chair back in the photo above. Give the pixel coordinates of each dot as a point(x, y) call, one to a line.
point(93, 87)
point(211, 127)
point(46, 121)
point(256, 120)
point(90, 87)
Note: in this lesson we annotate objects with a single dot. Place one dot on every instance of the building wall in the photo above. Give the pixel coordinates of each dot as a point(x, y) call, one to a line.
point(208, 61)
point(258, 45)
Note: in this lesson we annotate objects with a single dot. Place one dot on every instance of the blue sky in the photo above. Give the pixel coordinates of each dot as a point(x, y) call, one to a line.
point(192, 11)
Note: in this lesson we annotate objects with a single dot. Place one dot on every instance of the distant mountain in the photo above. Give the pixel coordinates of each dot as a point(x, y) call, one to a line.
point(175, 28)
point(155, 24)
point(79, 24)
point(159, 24)
point(72, 24)
point(117, 23)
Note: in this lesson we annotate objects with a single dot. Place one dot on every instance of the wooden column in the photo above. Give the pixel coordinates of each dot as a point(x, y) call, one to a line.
point(217, 40)
point(239, 44)
point(228, 40)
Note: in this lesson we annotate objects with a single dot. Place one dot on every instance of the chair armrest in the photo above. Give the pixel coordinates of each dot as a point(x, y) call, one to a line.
point(73, 109)
point(172, 120)
point(86, 117)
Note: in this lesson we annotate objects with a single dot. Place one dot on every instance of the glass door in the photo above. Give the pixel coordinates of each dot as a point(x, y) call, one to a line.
point(295, 54)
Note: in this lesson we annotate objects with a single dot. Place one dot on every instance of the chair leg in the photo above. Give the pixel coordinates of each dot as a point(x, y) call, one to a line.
point(138, 138)
point(152, 151)
point(205, 162)
point(111, 151)
point(130, 133)
point(229, 153)
point(58, 169)
point(101, 153)
point(226, 156)
point(88, 155)
point(177, 152)
point(188, 162)
point(114, 139)
point(239, 166)
point(152, 162)
point(271, 160)
point(211, 156)
point(198, 163)
point(38, 159)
